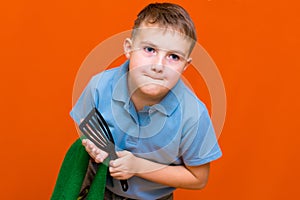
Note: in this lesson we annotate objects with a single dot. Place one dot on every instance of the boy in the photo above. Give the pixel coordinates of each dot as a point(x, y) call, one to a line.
point(162, 131)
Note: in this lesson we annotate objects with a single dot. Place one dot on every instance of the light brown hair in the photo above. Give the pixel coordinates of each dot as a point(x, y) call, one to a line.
point(168, 15)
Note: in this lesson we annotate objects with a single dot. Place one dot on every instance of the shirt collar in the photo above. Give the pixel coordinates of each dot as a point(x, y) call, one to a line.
point(171, 101)
point(120, 89)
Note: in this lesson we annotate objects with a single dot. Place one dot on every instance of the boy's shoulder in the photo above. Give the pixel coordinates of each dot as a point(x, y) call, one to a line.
point(107, 72)
point(191, 105)
point(189, 97)
point(105, 76)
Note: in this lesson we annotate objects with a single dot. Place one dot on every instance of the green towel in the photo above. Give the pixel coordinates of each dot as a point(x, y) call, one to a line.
point(72, 173)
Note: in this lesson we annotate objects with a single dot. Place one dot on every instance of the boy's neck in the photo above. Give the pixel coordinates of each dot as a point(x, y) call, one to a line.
point(140, 101)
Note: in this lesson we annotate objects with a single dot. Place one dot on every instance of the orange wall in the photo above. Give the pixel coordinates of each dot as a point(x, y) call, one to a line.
point(254, 43)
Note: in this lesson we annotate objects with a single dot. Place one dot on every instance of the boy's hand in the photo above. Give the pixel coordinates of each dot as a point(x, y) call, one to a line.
point(97, 154)
point(180, 176)
point(123, 167)
point(128, 165)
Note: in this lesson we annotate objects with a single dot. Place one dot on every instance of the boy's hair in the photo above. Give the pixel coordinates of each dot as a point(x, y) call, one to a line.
point(167, 15)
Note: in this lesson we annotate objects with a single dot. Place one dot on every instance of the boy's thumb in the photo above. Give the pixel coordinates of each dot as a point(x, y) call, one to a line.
point(122, 153)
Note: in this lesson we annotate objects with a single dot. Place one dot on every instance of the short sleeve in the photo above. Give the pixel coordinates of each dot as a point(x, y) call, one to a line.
point(86, 102)
point(199, 143)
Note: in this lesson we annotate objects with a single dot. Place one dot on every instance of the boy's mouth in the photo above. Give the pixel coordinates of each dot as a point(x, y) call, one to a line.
point(158, 78)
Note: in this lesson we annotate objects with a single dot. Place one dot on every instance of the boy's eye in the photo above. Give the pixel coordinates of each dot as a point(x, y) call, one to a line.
point(174, 57)
point(149, 50)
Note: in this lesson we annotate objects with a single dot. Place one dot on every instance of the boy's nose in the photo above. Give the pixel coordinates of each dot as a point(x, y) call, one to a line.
point(158, 63)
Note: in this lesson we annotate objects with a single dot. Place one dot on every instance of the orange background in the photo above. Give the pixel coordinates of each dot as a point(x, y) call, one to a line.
point(255, 45)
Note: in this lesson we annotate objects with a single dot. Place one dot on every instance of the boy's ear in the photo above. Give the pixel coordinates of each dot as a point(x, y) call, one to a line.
point(127, 45)
point(188, 62)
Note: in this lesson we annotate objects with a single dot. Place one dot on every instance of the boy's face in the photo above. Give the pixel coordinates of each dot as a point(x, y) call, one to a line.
point(158, 56)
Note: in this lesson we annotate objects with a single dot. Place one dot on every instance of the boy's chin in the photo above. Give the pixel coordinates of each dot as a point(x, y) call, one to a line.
point(154, 90)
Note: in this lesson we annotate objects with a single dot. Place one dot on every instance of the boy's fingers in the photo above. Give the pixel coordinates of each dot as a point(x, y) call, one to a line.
point(89, 143)
point(84, 142)
point(121, 153)
point(117, 175)
point(112, 170)
point(99, 158)
point(97, 154)
point(97, 151)
point(114, 163)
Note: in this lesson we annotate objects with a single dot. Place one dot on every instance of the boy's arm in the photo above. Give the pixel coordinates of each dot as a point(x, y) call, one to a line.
point(128, 165)
point(187, 177)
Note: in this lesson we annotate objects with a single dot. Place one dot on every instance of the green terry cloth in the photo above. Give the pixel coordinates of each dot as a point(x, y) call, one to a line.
point(72, 173)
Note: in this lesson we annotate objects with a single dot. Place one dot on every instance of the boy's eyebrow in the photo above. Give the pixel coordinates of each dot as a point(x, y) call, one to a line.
point(155, 46)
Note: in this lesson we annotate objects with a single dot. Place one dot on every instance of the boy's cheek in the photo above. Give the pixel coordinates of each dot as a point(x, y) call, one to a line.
point(136, 61)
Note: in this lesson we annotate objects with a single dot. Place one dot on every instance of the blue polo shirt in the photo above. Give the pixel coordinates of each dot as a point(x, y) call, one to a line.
point(177, 131)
